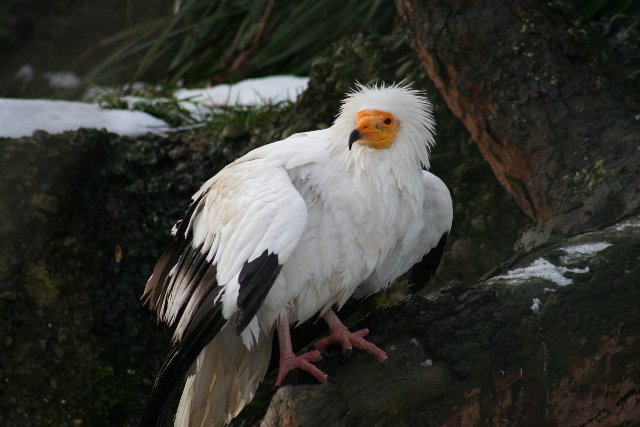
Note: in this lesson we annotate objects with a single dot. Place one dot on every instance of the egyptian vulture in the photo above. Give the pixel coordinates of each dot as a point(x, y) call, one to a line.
point(288, 232)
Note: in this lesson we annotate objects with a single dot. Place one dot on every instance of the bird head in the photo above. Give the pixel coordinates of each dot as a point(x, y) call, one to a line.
point(384, 123)
point(374, 128)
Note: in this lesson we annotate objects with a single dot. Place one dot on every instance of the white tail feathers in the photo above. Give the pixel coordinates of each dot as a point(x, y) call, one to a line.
point(223, 379)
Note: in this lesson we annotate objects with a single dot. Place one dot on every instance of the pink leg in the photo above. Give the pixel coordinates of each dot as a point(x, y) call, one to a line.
point(341, 335)
point(289, 361)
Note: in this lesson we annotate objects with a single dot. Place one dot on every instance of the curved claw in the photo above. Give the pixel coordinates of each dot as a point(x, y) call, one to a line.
point(304, 362)
point(348, 340)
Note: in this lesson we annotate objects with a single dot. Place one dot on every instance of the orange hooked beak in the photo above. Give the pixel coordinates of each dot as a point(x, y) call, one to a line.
point(375, 129)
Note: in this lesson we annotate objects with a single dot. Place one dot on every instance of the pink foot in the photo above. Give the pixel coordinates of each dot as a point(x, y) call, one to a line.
point(291, 361)
point(347, 340)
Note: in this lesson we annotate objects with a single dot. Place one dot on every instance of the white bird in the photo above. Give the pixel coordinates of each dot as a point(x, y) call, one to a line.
point(287, 232)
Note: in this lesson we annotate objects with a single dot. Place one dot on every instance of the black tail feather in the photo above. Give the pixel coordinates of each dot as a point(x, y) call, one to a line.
point(205, 324)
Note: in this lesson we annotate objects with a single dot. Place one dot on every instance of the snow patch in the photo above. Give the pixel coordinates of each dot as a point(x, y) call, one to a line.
point(540, 268)
point(62, 79)
point(21, 117)
point(259, 91)
point(535, 306)
point(574, 270)
point(26, 73)
point(543, 269)
point(582, 252)
point(631, 224)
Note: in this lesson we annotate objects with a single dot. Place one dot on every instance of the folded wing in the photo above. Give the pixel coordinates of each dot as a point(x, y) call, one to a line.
point(226, 254)
point(421, 248)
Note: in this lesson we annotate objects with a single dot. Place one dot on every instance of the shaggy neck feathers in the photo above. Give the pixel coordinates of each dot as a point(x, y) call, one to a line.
point(399, 165)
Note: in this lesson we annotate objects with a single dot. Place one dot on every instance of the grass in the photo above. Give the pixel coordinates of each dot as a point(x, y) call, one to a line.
point(230, 121)
point(233, 121)
point(223, 40)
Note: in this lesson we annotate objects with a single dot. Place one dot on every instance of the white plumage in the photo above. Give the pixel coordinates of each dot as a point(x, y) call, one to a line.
point(287, 232)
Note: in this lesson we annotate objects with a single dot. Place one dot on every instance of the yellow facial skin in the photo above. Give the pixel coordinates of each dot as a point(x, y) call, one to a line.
point(378, 129)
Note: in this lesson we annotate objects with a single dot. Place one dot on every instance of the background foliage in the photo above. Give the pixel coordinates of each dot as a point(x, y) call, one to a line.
point(212, 41)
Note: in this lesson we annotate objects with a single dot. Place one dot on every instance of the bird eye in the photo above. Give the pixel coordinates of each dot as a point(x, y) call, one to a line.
point(387, 121)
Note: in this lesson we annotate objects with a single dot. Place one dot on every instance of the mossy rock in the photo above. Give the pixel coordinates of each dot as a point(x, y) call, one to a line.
point(84, 215)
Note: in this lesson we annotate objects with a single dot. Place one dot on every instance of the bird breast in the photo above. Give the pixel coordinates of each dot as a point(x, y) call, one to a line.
point(349, 231)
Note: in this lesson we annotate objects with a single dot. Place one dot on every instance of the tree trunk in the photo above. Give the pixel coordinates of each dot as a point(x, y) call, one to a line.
point(543, 100)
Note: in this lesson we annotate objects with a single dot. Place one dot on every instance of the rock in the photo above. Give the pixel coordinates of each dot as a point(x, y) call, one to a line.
point(8, 295)
point(69, 296)
point(479, 224)
point(312, 405)
point(464, 249)
point(468, 355)
point(45, 203)
point(81, 195)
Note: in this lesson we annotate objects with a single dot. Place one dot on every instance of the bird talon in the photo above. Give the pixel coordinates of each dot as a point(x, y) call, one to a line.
point(312, 356)
point(347, 339)
point(302, 362)
point(324, 353)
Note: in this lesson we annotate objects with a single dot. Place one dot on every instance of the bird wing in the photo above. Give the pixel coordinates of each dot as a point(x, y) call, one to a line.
point(421, 247)
point(238, 231)
point(226, 254)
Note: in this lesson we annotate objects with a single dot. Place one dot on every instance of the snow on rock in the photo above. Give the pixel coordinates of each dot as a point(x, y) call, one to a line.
point(582, 252)
point(631, 224)
point(20, 117)
point(427, 363)
point(258, 91)
point(540, 268)
point(544, 269)
point(535, 306)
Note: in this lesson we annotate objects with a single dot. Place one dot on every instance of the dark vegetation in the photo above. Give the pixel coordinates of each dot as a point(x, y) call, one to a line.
point(219, 40)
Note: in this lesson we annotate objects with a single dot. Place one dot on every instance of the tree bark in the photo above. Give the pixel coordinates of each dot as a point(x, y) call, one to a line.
point(543, 100)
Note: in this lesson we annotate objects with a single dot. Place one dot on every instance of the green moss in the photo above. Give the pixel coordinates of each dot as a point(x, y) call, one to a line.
point(586, 180)
point(479, 224)
point(40, 285)
point(109, 391)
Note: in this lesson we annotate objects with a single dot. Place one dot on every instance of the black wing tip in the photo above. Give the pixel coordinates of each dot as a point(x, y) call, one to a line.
point(424, 270)
point(241, 322)
point(255, 279)
point(181, 238)
point(204, 325)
